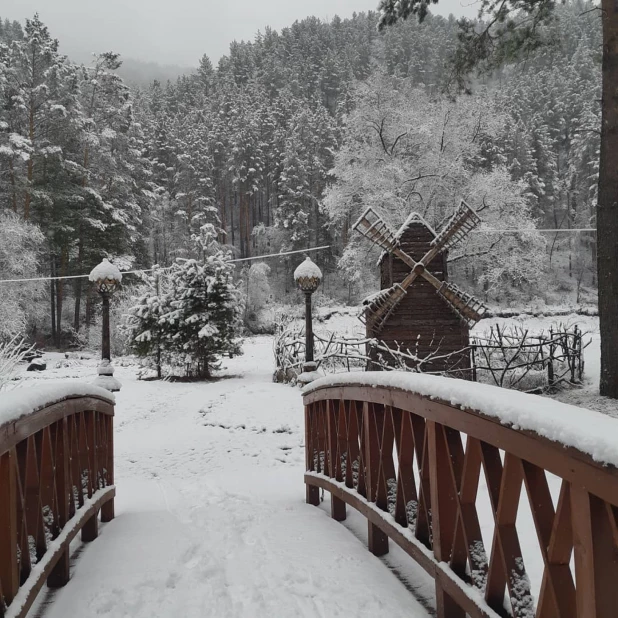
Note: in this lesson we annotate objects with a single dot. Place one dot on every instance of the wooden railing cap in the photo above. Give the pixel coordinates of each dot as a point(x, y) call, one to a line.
point(24, 401)
point(588, 431)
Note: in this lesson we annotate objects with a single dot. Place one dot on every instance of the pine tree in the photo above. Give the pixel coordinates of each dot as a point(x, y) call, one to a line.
point(196, 317)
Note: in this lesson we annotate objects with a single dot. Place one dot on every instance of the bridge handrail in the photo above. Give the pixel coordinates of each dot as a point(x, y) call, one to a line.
point(392, 446)
point(56, 474)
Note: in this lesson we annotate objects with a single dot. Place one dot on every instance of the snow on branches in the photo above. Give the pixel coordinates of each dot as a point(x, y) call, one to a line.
point(191, 314)
point(407, 151)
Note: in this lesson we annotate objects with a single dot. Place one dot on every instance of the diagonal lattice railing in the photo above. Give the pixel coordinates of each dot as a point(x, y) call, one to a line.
point(450, 486)
point(56, 474)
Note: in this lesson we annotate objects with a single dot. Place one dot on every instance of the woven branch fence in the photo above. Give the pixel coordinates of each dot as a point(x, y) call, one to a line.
point(510, 357)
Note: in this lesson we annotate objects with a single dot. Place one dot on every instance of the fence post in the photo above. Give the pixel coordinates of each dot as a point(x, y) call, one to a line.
point(9, 571)
point(573, 357)
point(580, 358)
point(550, 364)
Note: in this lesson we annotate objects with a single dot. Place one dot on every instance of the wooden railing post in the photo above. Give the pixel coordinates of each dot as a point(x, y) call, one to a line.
point(90, 531)
point(377, 539)
point(443, 513)
point(312, 492)
point(9, 566)
point(596, 563)
point(107, 510)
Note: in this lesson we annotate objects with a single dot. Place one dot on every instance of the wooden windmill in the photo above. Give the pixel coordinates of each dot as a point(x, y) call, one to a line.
point(417, 309)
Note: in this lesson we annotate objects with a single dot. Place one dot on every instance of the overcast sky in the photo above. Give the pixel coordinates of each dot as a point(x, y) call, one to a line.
point(179, 31)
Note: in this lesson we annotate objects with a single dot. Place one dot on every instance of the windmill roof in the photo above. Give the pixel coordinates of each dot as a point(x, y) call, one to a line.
point(413, 217)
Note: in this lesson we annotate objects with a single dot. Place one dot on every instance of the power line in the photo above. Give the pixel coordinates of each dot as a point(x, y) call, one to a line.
point(124, 272)
point(259, 257)
point(523, 231)
point(147, 270)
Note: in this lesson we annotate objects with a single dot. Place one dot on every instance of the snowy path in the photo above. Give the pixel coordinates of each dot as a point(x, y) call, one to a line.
point(211, 519)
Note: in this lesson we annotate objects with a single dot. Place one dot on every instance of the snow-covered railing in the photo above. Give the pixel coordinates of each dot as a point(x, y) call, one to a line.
point(437, 466)
point(56, 474)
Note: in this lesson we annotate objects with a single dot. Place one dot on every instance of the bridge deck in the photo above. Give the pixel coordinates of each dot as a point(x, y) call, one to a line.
point(211, 519)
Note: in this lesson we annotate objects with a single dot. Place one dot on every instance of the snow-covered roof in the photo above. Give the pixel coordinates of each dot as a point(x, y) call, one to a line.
point(21, 402)
point(308, 269)
point(589, 431)
point(413, 217)
point(105, 270)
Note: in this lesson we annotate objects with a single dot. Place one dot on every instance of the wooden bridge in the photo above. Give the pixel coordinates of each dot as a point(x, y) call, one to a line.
point(56, 476)
point(413, 465)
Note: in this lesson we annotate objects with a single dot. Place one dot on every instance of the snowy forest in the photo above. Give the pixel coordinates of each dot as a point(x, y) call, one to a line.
point(280, 147)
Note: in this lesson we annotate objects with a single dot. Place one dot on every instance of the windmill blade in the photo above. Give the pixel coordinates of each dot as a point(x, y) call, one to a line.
point(381, 306)
point(373, 227)
point(468, 308)
point(460, 224)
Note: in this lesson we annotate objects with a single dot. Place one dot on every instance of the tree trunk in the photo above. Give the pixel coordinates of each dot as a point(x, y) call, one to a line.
point(607, 209)
point(89, 310)
point(78, 286)
point(30, 164)
point(13, 186)
point(52, 297)
point(60, 294)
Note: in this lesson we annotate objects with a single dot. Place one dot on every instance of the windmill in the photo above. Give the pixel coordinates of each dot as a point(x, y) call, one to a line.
point(405, 293)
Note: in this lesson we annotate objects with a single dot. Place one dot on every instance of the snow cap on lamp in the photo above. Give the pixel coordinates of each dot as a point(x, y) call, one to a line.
point(106, 276)
point(308, 276)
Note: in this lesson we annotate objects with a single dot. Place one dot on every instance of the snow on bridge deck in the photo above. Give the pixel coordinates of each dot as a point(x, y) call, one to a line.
point(211, 519)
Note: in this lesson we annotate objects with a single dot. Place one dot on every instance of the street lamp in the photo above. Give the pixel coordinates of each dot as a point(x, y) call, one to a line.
point(106, 278)
point(308, 277)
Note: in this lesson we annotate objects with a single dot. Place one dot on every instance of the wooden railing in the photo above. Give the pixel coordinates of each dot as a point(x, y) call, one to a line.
point(412, 466)
point(56, 474)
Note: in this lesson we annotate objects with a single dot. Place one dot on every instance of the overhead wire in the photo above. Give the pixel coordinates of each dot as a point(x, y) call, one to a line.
point(147, 270)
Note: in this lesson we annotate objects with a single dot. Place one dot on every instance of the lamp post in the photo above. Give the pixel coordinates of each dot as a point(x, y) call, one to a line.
point(106, 278)
point(308, 277)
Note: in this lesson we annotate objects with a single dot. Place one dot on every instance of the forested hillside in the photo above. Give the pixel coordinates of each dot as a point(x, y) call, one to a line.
point(282, 145)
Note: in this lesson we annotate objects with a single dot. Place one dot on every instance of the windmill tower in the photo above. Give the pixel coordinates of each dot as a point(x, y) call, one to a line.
point(418, 309)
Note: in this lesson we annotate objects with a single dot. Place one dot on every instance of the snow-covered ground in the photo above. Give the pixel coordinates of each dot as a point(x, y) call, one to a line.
point(211, 519)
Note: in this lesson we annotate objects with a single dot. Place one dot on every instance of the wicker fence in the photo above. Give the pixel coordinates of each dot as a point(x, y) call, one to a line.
point(508, 357)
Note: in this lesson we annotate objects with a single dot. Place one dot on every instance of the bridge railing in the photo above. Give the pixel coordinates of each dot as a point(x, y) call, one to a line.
point(437, 466)
point(56, 474)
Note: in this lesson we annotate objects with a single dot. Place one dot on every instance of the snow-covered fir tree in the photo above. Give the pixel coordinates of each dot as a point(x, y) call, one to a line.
point(194, 316)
